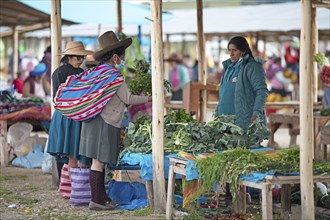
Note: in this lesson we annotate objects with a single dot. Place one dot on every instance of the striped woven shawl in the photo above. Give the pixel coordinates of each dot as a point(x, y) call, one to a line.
point(84, 95)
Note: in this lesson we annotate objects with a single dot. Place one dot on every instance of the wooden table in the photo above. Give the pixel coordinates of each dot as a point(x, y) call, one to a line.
point(178, 166)
point(290, 105)
point(292, 120)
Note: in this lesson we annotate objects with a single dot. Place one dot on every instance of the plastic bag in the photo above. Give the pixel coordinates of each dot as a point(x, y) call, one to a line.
point(18, 132)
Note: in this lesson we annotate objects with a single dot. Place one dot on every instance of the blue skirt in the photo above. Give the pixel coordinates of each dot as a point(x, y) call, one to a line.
point(64, 138)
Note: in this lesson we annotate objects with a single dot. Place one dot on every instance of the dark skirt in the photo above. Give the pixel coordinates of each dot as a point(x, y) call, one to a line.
point(100, 140)
point(64, 138)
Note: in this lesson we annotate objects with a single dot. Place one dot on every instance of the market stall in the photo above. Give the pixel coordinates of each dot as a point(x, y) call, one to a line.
point(179, 166)
point(13, 110)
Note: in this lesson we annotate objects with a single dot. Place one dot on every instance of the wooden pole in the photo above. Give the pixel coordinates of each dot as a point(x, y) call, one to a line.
point(119, 17)
point(202, 74)
point(15, 54)
point(306, 112)
point(157, 106)
point(315, 45)
point(56, 36)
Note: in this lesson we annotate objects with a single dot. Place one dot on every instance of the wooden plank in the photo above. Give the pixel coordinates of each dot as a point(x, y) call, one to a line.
point(170, 193)
point(293, 179)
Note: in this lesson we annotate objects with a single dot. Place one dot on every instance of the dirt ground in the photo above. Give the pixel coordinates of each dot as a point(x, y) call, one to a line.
point(29, 194)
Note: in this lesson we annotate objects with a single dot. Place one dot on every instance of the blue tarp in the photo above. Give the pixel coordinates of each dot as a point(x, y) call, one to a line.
point(145, 162)
point(33, 159)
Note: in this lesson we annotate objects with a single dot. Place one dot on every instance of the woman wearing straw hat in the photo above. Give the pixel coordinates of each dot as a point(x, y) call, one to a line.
point(100, 135)
point(64, 133)
point(35, 85)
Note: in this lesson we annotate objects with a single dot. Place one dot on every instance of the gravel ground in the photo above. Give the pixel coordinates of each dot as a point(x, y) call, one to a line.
point(29, 194)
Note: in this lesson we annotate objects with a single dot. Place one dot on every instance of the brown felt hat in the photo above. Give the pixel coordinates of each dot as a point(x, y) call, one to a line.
point(76, 48)
point(174, 58)
point(108, 42)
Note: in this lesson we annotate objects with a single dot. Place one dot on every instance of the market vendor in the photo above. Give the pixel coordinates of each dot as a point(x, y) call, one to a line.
point(243, 89)
point(36, 85)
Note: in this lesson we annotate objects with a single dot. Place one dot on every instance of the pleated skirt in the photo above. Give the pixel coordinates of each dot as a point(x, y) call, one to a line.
point(64, 138)
point(100, 140)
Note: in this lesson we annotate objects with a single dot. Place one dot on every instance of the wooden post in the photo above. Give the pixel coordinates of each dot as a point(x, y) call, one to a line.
point(119, 17)
point(306, 112)
point(315, 45)
point(4, 161)
point(202, 74)
point(157, 106)
point(15, 54)
point(56, 36)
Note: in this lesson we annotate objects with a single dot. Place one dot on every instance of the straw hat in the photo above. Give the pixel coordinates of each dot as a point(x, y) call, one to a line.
point(109, 42)
point(76, 48)
point(174, 58)
point(39, 69)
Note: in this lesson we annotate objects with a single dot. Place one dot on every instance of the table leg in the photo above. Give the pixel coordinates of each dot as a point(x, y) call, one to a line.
point(240, 203)
point(150, 193)
point(285, 201)
point(170, 193)
point(273, 129)
point(318, 123)
point(267, 202)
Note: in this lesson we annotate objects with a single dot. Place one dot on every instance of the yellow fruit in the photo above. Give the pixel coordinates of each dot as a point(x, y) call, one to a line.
point(278, 98)
point(271, 97)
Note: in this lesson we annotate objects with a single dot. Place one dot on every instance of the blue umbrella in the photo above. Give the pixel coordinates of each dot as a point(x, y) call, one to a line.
point(99, 11)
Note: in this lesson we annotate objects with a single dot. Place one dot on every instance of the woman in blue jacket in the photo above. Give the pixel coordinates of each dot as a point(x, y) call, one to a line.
point(243, 89)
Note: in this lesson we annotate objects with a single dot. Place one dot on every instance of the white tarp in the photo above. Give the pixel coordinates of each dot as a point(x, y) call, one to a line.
point(266, 17)
point(239, 19)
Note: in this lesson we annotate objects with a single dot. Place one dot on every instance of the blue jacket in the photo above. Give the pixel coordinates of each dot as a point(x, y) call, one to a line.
point(250, 91)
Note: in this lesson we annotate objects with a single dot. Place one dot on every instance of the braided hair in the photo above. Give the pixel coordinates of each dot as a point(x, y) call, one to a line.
point(106, 57)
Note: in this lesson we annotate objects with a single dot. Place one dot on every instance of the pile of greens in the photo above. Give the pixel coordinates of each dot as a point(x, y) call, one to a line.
point(233, 163)
point(141, 82)
point(182, 133)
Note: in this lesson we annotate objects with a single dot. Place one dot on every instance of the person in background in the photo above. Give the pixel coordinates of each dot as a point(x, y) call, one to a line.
point(64, 133)
point(47, 59)
point(19, 81)
point(243, 89)
point(179, 76)
point(100, 136)
point(36, 85)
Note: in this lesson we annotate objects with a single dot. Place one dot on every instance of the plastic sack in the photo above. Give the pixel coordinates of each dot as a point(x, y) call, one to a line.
point(18, 132)
point(46, 165)
point(32, 159)
point(130, 196)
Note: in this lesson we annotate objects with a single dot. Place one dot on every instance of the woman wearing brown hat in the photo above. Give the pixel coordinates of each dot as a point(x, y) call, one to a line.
point(64, 133)
point(100, 135)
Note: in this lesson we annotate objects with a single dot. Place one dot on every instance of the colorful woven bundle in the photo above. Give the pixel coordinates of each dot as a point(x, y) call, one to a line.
point(84, 95)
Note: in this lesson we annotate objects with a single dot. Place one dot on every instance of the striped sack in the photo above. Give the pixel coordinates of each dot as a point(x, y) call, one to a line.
point(84, 95)
point(81, 190)
point(65, 183)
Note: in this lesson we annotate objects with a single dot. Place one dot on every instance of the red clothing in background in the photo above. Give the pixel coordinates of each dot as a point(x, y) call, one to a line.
point(18, 85)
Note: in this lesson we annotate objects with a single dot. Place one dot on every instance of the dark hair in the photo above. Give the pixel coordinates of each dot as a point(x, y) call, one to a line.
point(65, 59)
point(49, 49)
point(241, 44)
point(119, 51)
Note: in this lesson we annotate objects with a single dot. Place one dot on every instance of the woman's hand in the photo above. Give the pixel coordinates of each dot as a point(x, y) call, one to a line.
point(253, 118)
